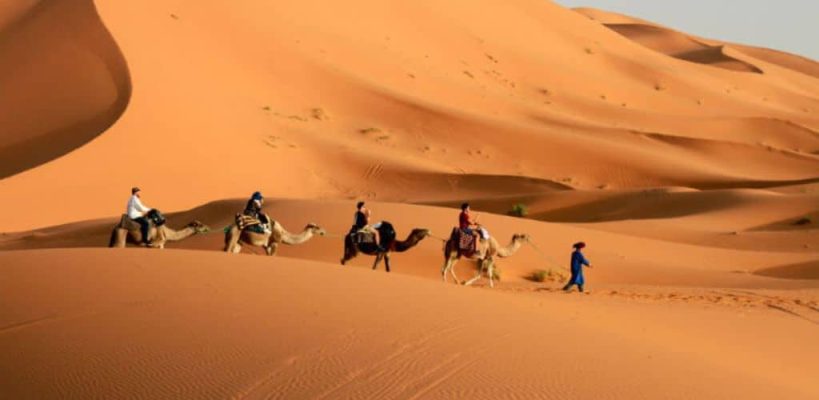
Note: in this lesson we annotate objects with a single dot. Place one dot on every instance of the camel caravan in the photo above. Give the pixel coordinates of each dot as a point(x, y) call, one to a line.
point(144, 226)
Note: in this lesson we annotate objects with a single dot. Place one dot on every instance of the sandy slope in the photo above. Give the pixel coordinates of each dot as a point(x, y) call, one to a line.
point(627, 258)
point(293, 99)
point(135, 323)
point(689, 165)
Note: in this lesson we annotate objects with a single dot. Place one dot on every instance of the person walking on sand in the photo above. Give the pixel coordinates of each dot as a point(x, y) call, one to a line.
point(578, 261)
point(139, 213)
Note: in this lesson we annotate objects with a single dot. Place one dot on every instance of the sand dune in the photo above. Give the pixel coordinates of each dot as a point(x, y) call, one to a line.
point(269, 90)
point(626, 257)
point(689, 165)
point(138, 323)
point(61, 88)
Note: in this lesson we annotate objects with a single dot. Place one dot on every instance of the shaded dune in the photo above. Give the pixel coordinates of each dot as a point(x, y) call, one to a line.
point(61, 87)
point(682, 47)
point(649, 204)
point(807, 270)
point(717, 57)
point(801, 222)
point(668, 41)
point(785, 60)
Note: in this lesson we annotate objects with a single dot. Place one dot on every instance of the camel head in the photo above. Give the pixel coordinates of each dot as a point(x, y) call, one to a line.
point(420, 233)
point(415, 237)
point(198, 227)
point(315, 229)
point(520, 237)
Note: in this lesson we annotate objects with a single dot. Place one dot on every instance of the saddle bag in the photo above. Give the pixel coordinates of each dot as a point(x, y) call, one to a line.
point(156, 217)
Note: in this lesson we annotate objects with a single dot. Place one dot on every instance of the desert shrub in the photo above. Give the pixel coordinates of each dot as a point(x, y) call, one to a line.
point(543, 275)
point(540, 275)
point(519, 210)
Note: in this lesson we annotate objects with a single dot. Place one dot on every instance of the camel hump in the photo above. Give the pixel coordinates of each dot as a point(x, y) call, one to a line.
point(125, 222)
point(456, 233)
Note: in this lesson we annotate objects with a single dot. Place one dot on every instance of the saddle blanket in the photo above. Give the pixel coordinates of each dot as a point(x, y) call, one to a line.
point(246, 221)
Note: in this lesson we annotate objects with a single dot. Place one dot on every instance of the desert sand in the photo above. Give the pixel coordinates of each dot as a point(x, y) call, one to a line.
point(689, 165)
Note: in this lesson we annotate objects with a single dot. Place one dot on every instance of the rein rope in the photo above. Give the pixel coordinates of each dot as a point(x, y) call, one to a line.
point(549, 260)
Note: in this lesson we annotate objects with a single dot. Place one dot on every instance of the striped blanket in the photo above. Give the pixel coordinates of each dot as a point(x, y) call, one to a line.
point(246, 221)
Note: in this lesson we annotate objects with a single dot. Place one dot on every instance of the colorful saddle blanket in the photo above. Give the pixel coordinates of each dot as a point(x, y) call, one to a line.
point(467, 243)
point(249, 222)
point(364, 237)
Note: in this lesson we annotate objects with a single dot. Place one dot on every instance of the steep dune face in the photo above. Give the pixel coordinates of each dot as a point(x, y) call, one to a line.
point(61, 87)
point(291, 99)
point(681, 46)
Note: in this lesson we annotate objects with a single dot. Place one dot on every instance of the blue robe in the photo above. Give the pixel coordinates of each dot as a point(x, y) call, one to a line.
point(578, 261)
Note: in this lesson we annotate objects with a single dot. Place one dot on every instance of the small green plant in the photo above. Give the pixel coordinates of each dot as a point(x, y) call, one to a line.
point(519, 210)
point(803, 221)
point(540, 275)
point(543, 275)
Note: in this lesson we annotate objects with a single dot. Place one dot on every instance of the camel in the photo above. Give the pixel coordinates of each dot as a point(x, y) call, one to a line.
point(159, 235)
point(487, 250)
point(388, 242)
point(269, 241)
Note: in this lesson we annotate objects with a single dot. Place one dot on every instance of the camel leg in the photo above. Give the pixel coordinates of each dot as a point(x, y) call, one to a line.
point(232, 243)
point(477, 276)
point(387, 261)
point(491, 272)
point(447, 266)
point(349, 250)
point(120, 237)
point(452, 272)
point(377, 260)
point(271, 249)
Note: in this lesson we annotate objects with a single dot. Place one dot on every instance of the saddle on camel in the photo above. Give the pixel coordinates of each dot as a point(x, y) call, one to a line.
point(366, 239)
point(252, 223)
point(155, 219)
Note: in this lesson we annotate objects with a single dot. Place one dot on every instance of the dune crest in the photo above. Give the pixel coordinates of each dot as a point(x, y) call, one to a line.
point(61, 88)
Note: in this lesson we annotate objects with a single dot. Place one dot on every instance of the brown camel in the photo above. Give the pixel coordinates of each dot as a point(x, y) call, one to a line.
point(269, 241)
point(485, 254)
point(159, 236)
point(388, 243)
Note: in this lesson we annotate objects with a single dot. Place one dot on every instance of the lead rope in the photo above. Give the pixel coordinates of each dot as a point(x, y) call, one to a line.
point(549, 260)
